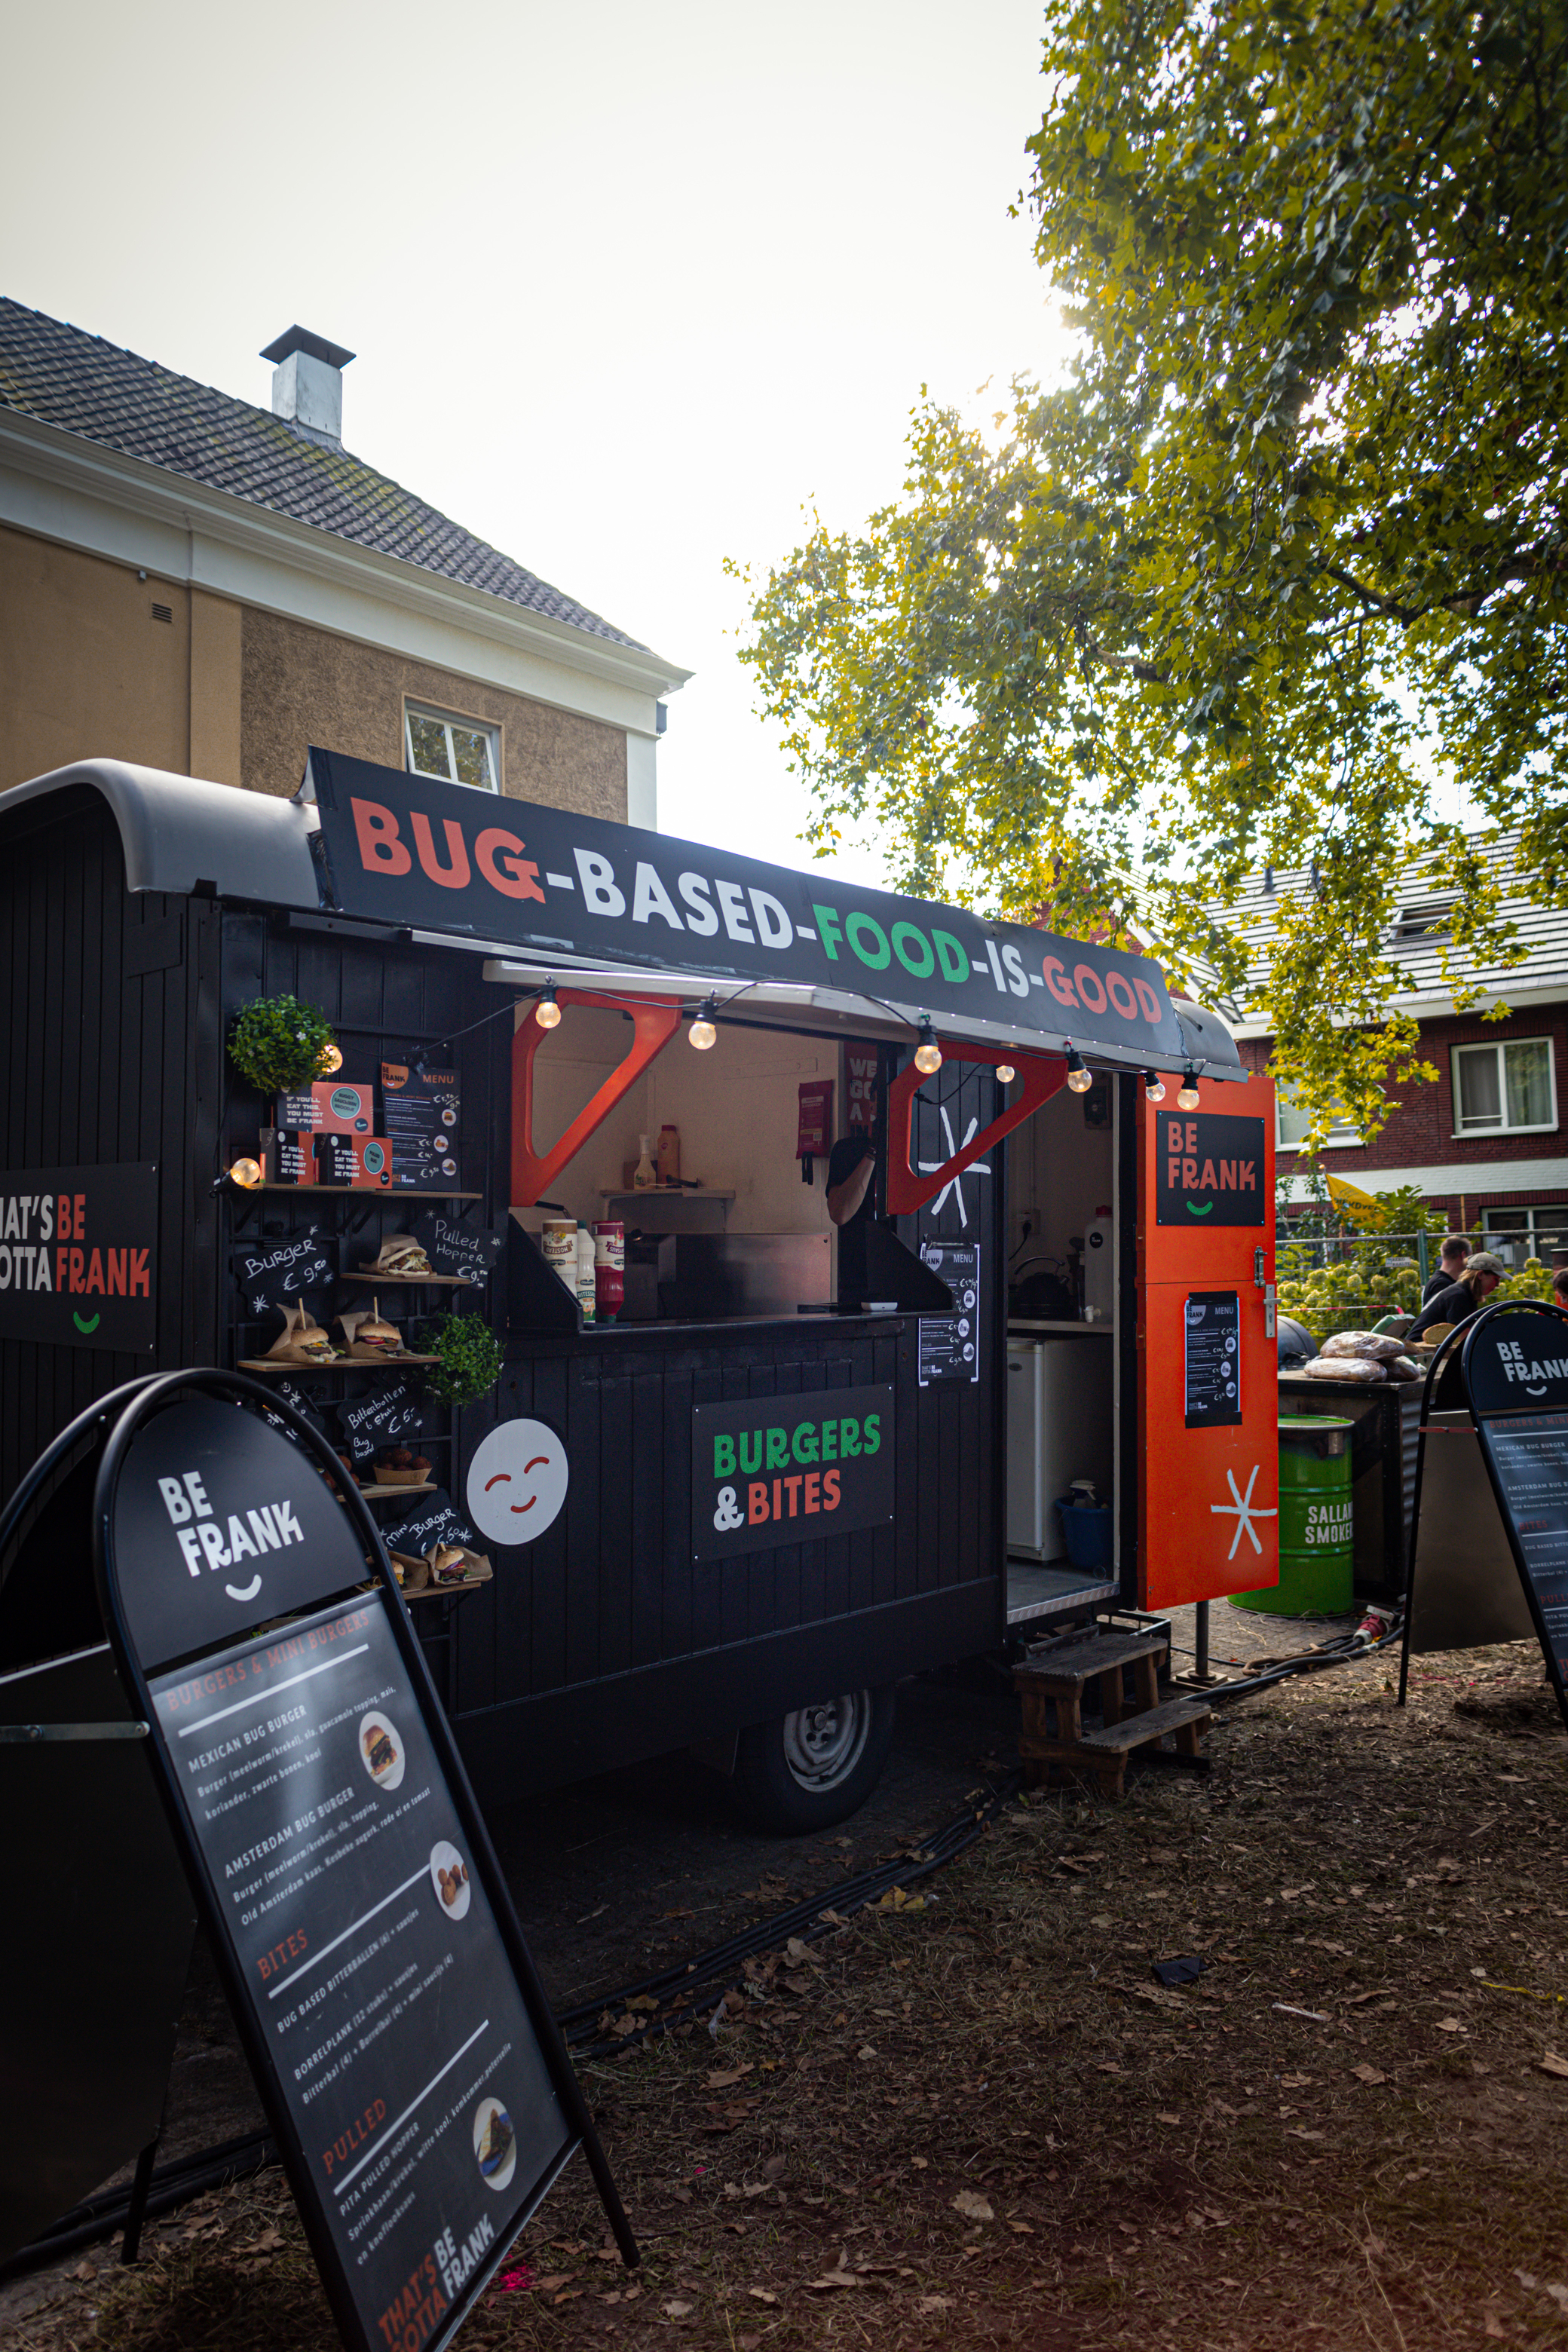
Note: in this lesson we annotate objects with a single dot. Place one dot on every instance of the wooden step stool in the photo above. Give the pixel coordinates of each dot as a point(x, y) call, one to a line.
point(1056, 1679)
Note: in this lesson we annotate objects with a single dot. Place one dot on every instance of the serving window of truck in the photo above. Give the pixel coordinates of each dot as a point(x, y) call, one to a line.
point(715, 1275)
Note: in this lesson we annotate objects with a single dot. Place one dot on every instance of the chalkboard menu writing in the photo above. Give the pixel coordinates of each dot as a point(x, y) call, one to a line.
point(299, 1403)
point(452, 1248)
point(949, 1344)
point(1212, 1372)
point(432, 1521)
point(276, 1272)
point(423, 2109)
point(388, 1416)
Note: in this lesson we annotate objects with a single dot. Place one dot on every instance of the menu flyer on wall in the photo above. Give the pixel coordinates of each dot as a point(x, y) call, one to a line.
point(1213, 1383)
point(949, 1344)
point(426, 2120)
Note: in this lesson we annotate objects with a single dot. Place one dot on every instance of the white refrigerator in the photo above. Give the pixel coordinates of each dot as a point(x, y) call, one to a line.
point(1060, 1428)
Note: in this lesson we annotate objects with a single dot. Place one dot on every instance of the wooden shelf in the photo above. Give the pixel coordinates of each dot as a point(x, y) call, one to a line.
point(356, 1193)
point(446, 1591)
point(380, 1494)
point(365, 1275)
point(339, 1364)
point(662, 1193)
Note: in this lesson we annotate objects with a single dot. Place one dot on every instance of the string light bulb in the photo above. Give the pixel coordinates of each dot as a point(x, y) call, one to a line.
point(1080, 1077)
point(1155, 1085)
point(547, 1013)
point(1189, 1096)
point(332, 1060)
point(703, 1033)
point(247, 1172)
point(928, 1053)
point(1006, 1074)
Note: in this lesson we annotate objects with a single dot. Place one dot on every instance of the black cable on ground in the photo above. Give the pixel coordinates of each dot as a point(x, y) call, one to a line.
point(194, 2176)
point(1306, 1661)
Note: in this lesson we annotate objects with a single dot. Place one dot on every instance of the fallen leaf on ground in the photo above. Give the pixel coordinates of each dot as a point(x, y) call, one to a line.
point(1366, 2074)
point(675, 2310)
point(1453, 2025)
point(1559, 2295)
point(722, 2078)
point(1167, 2119)
point(762, 2293)
point(830, 2279)
point(928, 2304)
point(972, 2206)
point(1024, 2229)
point(868, 2052)
point(1551, 2064)
point(560, 2279)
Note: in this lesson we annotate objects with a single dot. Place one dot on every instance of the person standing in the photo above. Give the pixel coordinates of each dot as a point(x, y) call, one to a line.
point(1481, 1276)
point(1451, 1267)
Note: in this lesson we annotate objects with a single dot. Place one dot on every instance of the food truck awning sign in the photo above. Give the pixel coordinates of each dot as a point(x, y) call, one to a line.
point(401, 849)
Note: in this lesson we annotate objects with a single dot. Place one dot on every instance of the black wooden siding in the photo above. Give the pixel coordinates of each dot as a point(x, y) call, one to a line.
point(110, 1023)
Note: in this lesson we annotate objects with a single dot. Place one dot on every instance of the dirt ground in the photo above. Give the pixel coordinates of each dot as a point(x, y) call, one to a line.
point(980, 2119)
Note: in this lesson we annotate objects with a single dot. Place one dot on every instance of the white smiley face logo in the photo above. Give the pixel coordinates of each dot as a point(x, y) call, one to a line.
point(517, 1481)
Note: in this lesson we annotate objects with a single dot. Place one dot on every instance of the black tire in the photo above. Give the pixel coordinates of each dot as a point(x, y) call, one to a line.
point(816, 1765)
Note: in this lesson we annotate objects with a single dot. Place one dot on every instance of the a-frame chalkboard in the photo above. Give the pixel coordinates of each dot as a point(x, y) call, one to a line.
point(416, 2082)
point(1508, 1368)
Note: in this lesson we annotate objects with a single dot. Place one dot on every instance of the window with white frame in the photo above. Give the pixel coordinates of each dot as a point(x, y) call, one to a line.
point(1505, 1089)
point(1517, 1233)
point(456, 751)
point(1291, 1120)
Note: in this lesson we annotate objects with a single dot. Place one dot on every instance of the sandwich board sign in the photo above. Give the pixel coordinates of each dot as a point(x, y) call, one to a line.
point(1509, 1367)
point(415, 2081)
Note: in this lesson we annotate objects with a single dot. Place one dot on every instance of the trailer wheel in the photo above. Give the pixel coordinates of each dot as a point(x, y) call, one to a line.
point(818, 1764)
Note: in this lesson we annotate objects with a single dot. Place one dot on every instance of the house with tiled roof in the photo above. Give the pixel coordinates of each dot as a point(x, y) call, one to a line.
point(1485, 1140)
point(192, 583)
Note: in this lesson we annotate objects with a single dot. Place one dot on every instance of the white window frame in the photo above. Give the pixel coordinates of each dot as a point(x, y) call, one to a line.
point(1339, 1138)
point(1504, 1125)
point(449, 719)
point(1531, 1220)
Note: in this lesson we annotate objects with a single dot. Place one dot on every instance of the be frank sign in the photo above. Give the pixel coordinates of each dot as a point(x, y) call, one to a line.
point(411, 2073)
point(79, 1257)
point(401, 849)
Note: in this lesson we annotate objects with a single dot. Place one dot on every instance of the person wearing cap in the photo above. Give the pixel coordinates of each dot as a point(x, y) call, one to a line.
point(1451, 1267)
point(1474, 1287)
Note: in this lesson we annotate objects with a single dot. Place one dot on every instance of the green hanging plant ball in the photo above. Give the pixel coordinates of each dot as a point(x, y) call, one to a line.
point(470, 1358)
point(277, 1043)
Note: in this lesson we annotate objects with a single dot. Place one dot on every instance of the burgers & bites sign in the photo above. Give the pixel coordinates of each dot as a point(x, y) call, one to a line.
point(789, 1470)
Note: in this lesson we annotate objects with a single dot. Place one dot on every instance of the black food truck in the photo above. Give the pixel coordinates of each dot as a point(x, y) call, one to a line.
point(665, 1457)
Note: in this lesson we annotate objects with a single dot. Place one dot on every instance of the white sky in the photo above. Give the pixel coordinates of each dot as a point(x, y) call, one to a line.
point(629, 286)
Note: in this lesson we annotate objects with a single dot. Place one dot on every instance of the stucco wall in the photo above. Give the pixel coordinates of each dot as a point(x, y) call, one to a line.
point(303, 686)
point(86, 672)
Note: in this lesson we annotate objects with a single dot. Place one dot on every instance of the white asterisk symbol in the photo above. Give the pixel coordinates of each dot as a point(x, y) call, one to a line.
point(1244, 1511)
point(954, 1184)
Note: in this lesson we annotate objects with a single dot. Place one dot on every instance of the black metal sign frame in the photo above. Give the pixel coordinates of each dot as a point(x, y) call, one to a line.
point(358, 2327)
point(1515, 1389)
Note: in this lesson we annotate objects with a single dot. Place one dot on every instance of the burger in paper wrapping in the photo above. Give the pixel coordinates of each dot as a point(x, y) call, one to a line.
point(1374, 1346)
point(1361, 1369)
point(302, 1341)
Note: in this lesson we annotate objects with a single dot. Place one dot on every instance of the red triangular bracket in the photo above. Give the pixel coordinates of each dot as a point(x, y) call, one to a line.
point(1042, 1076)
point(654, 1021)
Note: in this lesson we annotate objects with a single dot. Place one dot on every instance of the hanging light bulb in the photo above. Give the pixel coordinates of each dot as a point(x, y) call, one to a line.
point(1189, 1096)
point(332, 1060)
point(547, 1013)
point(1153, 1085)
point(1006, 1074)
point(702, 1033)
point(247, 1172)
point(928, 1053)
point(1080, 1079)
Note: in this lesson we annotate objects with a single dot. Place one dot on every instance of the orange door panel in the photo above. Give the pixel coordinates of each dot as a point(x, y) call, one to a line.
point(1207, 1361)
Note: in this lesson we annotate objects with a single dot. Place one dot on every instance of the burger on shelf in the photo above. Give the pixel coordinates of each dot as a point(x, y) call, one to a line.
point(400, 1258)
point(369, 1338)
point(301, 1341)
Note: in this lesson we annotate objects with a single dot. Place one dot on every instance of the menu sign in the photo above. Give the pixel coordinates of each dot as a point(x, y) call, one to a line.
point(789, 1470)
point(452, 1248)
point(433, 1521)
point(387, 1417)
point(422, 2108)
point(1515, 1360)
point(1208, 1169)
point(79, 1257)
point(411, 2075)
point(949, 1344)
point(1212, 1385)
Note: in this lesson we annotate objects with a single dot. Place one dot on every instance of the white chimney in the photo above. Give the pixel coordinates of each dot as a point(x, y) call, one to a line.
point(308, 382)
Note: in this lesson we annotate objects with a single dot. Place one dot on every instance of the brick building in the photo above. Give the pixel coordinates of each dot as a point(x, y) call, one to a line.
point(1484, 1142)
point(192, 583)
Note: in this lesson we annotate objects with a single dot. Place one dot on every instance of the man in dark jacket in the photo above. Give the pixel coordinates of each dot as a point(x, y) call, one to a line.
point(1451, 1267)
point(1475, 1287)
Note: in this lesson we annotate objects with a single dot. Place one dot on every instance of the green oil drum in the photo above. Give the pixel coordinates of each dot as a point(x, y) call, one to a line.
point(1317, 1534)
